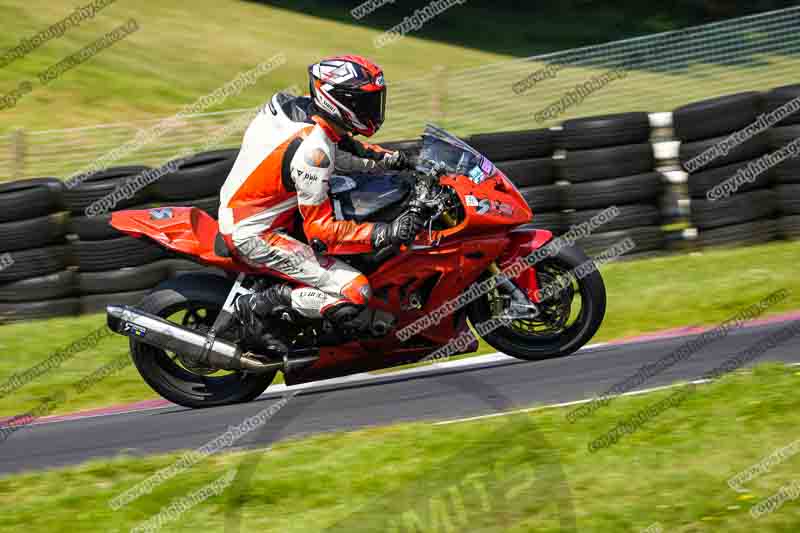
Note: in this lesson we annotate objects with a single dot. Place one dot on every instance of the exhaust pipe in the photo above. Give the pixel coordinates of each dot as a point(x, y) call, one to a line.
point(203, 349)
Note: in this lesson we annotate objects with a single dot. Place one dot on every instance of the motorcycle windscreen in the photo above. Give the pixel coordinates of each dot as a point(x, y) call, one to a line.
point(440, 147)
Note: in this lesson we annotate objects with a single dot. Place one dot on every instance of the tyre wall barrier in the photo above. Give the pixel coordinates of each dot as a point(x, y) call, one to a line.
point(760, 208)
point(608, 161)
point(56, 260)
point(526, 157)
point(59, 255)
point(570, 173)
point(786, 175)
point(36, 279)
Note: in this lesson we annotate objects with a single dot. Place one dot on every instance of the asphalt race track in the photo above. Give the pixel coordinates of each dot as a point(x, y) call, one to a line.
point(434, 394)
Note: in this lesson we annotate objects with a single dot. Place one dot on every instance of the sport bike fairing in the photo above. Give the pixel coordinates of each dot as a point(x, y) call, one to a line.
point(438, 267)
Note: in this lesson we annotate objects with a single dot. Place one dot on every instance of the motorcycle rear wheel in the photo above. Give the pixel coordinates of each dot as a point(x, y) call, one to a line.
point(560, 330)
point(193, 300)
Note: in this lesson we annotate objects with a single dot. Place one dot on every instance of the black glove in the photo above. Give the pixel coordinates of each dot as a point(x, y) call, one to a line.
point(400, 161)
point(403, 230)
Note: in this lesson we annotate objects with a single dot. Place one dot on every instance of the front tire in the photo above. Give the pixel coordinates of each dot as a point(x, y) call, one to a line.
point(554, 335)
point(195, 300)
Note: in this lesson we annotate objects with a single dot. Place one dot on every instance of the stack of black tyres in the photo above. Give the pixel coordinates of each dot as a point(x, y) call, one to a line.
point(786, 176)
point(113, 268)
point(526, 158)
point(745, 217)
point(609, 161)
point(196, 183)
point(35, 279)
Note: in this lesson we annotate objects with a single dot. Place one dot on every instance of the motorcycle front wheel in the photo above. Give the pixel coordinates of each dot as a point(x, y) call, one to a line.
point(569, 316)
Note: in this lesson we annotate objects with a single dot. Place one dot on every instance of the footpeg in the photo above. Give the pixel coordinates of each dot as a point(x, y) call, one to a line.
point(299, 359)
point(350, 321)
point(374, 322)
point(382, 323)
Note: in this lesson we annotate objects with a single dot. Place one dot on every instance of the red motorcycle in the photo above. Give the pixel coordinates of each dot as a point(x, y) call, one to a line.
point(189, 347)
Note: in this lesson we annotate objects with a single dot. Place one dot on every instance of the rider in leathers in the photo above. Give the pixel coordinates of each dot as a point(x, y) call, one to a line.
point(289, 152)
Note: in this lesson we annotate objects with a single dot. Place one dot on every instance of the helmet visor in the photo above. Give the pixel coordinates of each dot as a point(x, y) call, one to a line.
point(369, 107)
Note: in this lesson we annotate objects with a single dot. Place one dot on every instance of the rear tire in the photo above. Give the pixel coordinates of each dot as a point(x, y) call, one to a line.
point(535, 347)
point(173, 381)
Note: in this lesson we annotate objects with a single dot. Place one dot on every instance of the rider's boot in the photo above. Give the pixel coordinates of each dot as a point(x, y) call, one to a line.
point(258, 312)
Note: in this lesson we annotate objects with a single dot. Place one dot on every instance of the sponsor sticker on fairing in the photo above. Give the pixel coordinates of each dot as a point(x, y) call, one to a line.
point(477, 176)
point(503, 208)
point(487, 167)
point(160, 213)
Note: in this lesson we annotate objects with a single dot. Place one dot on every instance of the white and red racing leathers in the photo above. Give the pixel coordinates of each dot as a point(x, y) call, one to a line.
point(286, 160)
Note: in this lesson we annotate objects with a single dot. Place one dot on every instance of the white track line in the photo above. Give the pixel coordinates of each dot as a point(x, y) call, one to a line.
point(366, 377)
point(567, 404)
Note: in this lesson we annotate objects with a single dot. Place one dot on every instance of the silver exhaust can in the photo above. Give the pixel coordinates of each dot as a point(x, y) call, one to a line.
point(202, 349)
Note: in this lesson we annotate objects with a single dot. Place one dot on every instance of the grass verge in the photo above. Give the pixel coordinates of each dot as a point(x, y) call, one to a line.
point(521, 472)
point(184, 51)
